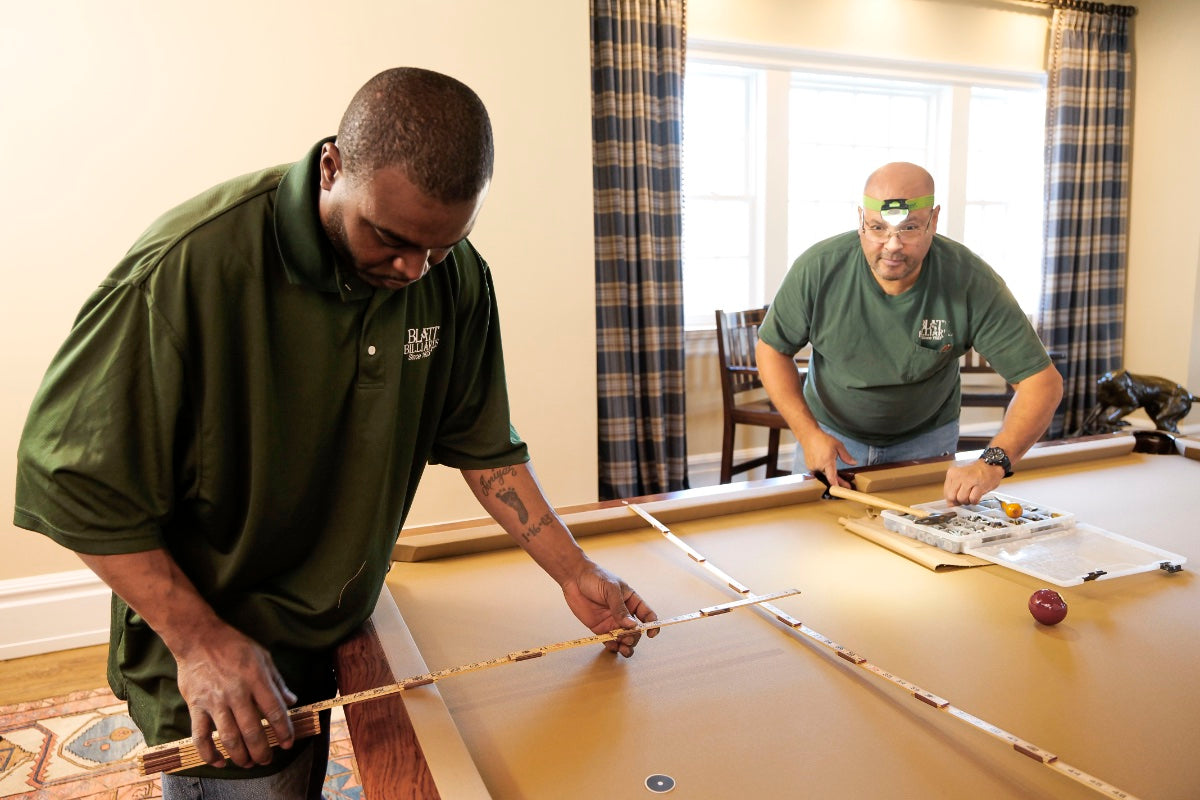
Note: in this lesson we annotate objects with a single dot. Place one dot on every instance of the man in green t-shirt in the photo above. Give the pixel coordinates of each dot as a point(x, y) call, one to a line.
point(889, 309)
point(234, 430)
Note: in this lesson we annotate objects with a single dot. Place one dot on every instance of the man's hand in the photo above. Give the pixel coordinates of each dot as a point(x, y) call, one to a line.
point(230, 684)
point(603, 602)
point(821, 454)
point(966, 484)
point(782, 382)
point(227, 680)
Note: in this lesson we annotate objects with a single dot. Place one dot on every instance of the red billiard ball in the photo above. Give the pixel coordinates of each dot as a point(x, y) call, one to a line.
point(1047, 606)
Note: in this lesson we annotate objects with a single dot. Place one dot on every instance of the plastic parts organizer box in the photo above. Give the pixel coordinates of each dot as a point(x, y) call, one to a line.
point(973, 525)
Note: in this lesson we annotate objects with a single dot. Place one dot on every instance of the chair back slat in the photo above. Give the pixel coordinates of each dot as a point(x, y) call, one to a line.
point(971, 361)
point(737, 335)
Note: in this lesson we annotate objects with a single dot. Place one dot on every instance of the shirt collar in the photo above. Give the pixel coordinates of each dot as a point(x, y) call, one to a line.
point(308, 256)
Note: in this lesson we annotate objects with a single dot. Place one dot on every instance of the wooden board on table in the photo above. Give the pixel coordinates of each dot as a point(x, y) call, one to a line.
point(479, 536)
point(1047, 454)
point(927, 555)
point(393, 764)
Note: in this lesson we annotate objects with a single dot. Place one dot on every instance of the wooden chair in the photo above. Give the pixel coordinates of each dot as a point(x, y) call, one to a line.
point(974, 364)
point(737, 334)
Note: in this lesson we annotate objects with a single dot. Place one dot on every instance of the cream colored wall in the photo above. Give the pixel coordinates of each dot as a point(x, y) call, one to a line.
point(1162, 335)
point(111, 112)
point(984, 33)
point(1162, 320)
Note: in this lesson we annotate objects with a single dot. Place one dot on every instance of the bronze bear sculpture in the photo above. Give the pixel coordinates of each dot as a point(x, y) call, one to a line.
point(1122, 392)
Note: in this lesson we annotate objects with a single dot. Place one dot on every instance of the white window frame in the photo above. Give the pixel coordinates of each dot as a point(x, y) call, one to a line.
point(770, 239)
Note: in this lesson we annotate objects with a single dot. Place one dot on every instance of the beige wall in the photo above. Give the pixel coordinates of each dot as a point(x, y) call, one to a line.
point(984, 33)
point(111, 112)
point(1162, 336)
point(1162, 324)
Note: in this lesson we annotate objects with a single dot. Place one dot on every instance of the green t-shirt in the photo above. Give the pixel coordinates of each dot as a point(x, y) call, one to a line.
point(232, 395)
point(885, 369)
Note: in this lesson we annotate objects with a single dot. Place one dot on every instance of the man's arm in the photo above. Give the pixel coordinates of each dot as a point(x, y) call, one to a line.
point(601, 601)
point(1028, 415)
point(228, 681)
point(781, 379)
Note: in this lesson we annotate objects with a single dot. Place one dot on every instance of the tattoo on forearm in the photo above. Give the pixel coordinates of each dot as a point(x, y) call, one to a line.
point(510, 498)
point(486, 482)
point(536, 528)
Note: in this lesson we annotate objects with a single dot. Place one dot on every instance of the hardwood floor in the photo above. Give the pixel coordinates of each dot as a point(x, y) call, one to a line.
point(53, 674)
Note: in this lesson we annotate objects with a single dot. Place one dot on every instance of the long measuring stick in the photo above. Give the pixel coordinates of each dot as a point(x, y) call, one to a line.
point(182, 754)
point(1020, 745)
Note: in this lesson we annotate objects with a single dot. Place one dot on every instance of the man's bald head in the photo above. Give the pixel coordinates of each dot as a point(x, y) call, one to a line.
point(894, 243)
point(900, 179)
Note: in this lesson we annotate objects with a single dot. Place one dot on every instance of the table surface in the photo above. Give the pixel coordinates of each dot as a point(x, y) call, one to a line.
point(742, 705)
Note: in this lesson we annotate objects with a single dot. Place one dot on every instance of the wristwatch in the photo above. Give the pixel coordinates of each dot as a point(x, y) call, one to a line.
point(997, 458)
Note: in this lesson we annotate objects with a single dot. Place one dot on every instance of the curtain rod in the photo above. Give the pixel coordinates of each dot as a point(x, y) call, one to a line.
point(1086, 5)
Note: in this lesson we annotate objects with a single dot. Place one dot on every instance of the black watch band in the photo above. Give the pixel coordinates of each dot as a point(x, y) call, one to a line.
point(997, 458)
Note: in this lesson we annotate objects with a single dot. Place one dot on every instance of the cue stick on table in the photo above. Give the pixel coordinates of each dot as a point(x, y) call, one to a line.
point(922, 516)
point(1020, 745)
point(182, 754)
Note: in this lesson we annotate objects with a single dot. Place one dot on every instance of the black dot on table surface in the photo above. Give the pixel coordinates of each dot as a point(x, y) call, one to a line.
point(660, 784)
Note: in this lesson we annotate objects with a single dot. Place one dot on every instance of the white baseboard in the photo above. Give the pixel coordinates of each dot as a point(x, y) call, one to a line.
point(47, 613)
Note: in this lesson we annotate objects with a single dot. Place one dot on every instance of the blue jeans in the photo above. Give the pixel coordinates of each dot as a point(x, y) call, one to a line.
point(937, 442)
point(303, 779)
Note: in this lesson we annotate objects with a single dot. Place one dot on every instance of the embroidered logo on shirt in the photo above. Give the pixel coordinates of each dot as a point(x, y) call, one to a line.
point(421, 342)
point(932, 330)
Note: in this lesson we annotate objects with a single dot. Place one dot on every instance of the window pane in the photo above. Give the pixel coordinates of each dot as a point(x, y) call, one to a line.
point(720, 137)
point(842, 129)
point(716, 227)
point(1005, 174)
point(715, 283)
point(717, 258)
point(716, 131)
point(832, 129)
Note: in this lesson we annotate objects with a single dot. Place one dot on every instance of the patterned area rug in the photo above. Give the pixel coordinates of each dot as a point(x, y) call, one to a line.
point(82, 746)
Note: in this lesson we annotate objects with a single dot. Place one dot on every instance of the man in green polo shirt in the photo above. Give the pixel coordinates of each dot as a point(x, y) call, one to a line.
point(889, 309)
point(235, 428)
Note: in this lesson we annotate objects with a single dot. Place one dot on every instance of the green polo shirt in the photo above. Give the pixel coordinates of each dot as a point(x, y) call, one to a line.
point(885, 369)
point(231, 394)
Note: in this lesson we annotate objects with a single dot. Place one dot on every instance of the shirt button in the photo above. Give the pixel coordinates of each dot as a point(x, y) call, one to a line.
point(371, 350)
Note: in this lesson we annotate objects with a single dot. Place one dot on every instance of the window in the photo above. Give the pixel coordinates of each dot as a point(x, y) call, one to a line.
point(775, 157)
point(721, 266)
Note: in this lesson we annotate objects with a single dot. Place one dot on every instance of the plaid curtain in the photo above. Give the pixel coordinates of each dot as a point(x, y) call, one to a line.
point(637, 112)
point(1088, 119)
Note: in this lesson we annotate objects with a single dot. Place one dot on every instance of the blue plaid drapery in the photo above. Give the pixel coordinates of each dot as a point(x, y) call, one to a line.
point(637, 111)
point(1088, 121)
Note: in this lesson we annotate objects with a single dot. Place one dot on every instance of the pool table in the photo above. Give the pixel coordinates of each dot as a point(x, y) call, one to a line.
point(741, 705)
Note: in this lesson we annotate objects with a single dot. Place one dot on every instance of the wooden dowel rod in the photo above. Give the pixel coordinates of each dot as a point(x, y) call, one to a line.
point(182, 754)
